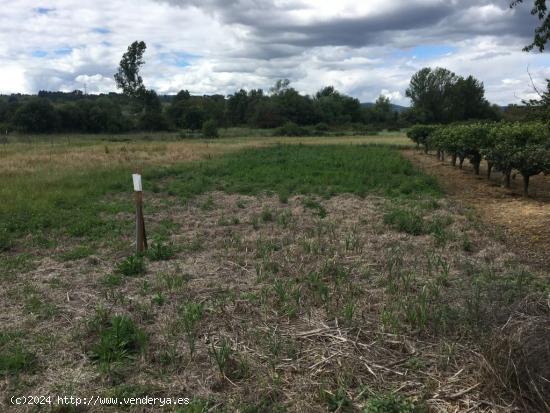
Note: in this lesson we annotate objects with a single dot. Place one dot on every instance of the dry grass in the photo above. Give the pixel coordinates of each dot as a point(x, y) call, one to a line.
point(60, 155)
point(295, 341)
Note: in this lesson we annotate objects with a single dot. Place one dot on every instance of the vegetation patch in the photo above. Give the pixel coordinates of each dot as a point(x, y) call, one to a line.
point(15, 356)
point(121, 339)
point(300, 169)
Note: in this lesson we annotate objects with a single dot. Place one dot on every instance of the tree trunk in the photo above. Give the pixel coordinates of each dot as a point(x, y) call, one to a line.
point(461, 162)
point(453, 160)
point(489, 169)
point(525, 185)
point(507, 179)
point(476, 167)
point(425, 148)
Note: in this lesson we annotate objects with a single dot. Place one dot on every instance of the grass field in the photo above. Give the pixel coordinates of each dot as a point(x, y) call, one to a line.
point(298, 274)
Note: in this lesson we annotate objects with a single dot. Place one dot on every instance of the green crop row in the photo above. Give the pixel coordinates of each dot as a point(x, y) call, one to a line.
point(507, 147)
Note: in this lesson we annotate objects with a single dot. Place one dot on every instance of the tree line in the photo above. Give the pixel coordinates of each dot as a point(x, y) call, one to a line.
point(437, 95)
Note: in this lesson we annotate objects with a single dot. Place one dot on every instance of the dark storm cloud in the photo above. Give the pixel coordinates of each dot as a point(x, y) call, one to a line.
point(276, 33)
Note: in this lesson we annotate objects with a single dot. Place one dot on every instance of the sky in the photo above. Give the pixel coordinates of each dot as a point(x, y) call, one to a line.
point(363, 48)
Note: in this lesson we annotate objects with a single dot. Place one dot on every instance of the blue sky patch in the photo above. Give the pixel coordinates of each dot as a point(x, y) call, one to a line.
point(101, 30)
point(63, 51)
point(179, 59)
point(426, 51)
point(430, 51)
point(43, 10)
point(39, 53)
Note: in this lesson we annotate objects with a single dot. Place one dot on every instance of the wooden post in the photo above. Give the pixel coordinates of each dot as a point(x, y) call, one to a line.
point(141, 237)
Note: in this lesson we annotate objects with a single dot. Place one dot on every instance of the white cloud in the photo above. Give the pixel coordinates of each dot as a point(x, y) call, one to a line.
point(212, 46)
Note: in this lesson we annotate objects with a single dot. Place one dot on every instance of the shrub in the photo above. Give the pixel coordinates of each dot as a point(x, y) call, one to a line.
point(291, 129)
point(210, 129)
point(321, 127)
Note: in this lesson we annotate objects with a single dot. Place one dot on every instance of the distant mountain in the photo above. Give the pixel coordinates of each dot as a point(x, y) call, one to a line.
point(396, 108)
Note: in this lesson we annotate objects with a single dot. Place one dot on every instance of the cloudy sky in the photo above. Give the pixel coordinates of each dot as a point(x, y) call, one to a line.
point(364, 48)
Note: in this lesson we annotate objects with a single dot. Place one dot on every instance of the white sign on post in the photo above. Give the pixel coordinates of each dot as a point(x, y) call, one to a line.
point(137, 182)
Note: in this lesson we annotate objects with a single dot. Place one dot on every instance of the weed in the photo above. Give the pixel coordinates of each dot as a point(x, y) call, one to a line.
point(131, 266)
point(267, 214)
point(174, 282)
point(466, 243)
point(160, 252)
point(391, 403)
point(405, 221)
point(117, 342)
point(283, 196)
point(338, 401)
point(230, 364)
point(283, 219)
point(195, 245)
point(208, 205)
point(159, 299)
point(221, 355)
point(348, 311)
point(6, 240)
point(255, 222)
point(37, 305)
point(316, 206)
point(77, 253)
point(15, 357)
point(190, 316)
point(195, 406)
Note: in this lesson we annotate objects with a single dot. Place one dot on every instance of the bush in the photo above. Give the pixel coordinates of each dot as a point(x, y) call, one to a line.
point(291, 129)
point(210, 129)
point(36, 116)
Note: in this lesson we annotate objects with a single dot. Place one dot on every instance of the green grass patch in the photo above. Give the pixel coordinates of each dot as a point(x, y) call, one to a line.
point(14, 356)
point(405, 220)
point(301, 169)
point(82, 251)
point(392, 403)
point(73, 204)
point(117, 342)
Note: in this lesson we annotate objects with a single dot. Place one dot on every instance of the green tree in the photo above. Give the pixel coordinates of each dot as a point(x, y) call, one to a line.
point(440, 96)
point(37, 116)
point(127, 77)
point(542, 32)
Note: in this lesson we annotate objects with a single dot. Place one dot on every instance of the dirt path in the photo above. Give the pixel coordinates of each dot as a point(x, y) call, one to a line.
point(524, 221)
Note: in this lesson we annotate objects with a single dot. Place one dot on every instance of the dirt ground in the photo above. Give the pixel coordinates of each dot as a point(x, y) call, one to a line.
point(524, 222)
